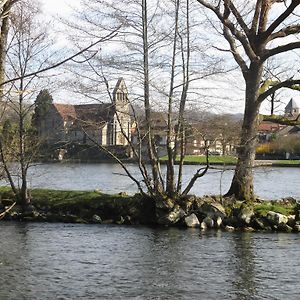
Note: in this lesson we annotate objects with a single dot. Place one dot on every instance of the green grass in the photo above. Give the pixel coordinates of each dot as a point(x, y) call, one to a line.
point(295, 162)
point(64, 199)
point(229, 160)
point(264, 208)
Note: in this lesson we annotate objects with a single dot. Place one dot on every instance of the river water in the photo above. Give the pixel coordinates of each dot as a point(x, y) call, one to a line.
point(72, 261)
point(65, 261)
point(270, 183)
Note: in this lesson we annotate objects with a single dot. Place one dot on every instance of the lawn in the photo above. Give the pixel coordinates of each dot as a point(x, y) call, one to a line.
point(230, 160)
point(213, 159)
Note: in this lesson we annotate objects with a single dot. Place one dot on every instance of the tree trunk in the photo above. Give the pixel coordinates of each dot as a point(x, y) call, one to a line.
point(242, 182)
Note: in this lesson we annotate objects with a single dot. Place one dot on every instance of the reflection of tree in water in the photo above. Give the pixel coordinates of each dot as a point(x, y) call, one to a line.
point(244, 267)
point(162, 265)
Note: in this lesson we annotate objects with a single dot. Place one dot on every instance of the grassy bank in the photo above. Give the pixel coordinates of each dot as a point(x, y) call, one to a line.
point(231, 160)
point(204, 212)
point(195, 159)
point(83, 206)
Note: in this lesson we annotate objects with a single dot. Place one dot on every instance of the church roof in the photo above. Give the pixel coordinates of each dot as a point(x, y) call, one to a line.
point(87, 114)
point(66, 111)
point(292, 105)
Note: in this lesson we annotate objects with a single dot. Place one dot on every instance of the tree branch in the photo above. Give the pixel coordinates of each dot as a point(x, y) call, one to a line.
point(280, 19)
point(238, 58)
point(280, 49)
point(107, 37)
point(290, 83)
point(284, 32)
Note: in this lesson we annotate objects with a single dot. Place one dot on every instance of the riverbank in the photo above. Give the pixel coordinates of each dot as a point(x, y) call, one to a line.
point(231, 161)
point(204, 213)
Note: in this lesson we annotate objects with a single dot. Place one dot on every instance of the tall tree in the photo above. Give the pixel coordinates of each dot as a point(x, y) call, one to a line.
point(160, 52)
point(42, 104)
point(256, 31)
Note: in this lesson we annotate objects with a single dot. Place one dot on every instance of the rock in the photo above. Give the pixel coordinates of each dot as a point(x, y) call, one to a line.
point(229, 228)
point(276, 218)
point(96, 219)
point(291, 220)
point(191, 221)
point(209, 222)
point(284, 227)
point(297, 228)
point(108, 221)
point(232, 221)
point(171, 217)
point(120, 221)
point(245, 214)
point(248, 229)
point(218, 222)
point(203, 226)
point(187, 203)
point(165, 204)
point(212, 210)
point(261, 223)
point(297, 212)
point(288, 200)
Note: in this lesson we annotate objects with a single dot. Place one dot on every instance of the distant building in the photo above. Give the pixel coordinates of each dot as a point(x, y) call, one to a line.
point(104, 123)
point(268, 130)
point(292, 109)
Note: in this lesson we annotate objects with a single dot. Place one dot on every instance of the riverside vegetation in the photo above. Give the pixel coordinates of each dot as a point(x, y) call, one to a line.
point(208, 212)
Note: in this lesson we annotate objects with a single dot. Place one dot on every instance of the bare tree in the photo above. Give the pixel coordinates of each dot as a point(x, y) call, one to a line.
point(156, 47)
point(24, 56)
point(256, 32)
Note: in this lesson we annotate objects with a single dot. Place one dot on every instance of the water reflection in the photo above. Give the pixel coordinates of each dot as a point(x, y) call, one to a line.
point(244, 267)
point(64, 261)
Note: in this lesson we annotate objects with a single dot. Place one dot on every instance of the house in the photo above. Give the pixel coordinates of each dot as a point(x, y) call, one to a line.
point(267, 131)
point(107, 124)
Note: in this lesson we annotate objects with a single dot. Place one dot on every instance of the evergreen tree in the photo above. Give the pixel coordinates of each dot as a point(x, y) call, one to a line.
point(41, 106)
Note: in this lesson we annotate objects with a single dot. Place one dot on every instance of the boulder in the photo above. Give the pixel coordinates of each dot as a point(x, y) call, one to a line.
point(276, 219)
point(191, 221)
point(171, 217)
point(297, 228)
point(291, 220)
point(229, 228)
point(232, 221)
point(120, 221)
point(261, 223)
point(165, 203)
point(218, 222)
point(245, 214)
point(297, 212)
point(213, 210)
point(203, 226)
point(96, 219)
point(209, 222)
point(248, 229)
point(284, 227)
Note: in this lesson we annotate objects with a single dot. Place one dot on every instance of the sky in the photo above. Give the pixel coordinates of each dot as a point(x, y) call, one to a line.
point(61, 8)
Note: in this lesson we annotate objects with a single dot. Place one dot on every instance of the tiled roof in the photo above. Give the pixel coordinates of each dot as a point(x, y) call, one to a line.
point(66, 111)
point(266, 126)
point(86, 112)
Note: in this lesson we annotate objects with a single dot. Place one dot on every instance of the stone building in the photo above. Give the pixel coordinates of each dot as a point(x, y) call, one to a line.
point(292, 109)
point(107, 124)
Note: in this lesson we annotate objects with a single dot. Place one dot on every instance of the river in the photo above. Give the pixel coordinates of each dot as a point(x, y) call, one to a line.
point(72, 261)
point(270, 183)
point(67, 261)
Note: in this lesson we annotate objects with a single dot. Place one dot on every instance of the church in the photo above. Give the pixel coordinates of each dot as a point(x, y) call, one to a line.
point(105, 124)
